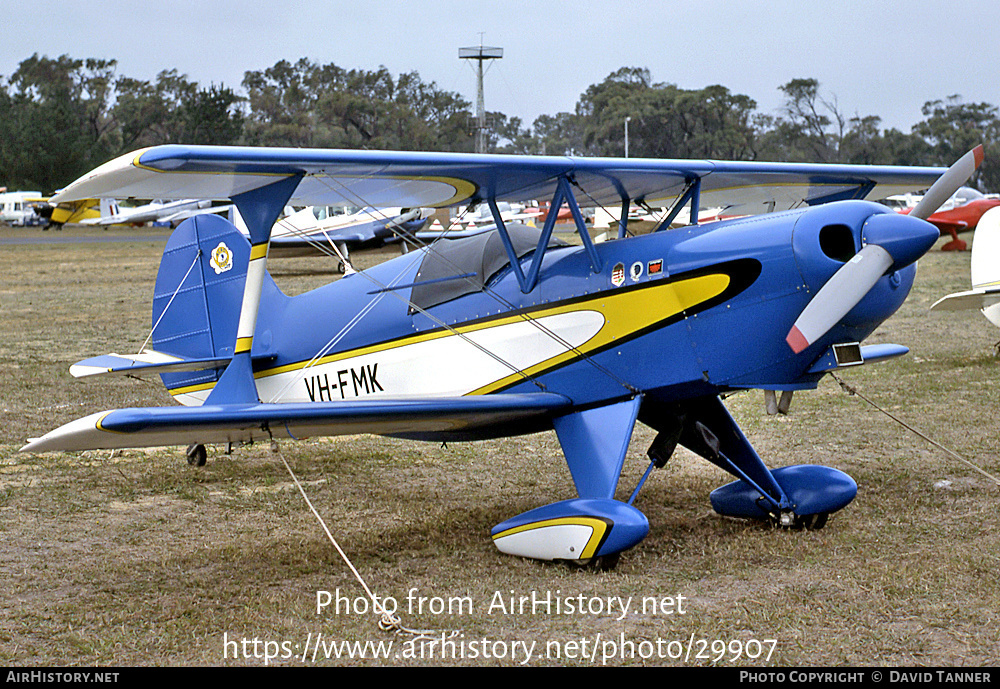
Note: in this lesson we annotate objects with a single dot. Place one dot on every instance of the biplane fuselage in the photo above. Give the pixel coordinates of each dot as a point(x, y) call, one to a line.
point(672, 314)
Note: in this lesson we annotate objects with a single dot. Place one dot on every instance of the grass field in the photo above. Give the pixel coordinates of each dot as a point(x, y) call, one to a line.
point(136, 558)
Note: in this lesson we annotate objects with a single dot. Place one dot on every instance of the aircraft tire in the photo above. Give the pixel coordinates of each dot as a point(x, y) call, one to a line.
point(197, 456)
point(603, 563)
point(811, 522)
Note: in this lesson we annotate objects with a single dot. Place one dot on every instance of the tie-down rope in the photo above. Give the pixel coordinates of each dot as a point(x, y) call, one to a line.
point(853, 391)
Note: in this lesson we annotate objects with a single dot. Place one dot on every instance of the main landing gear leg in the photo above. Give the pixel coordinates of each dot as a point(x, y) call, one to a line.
point(955, 244)
point(593, 529)
point(795, 496)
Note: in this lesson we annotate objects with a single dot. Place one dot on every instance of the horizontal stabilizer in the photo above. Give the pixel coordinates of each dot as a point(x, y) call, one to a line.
point(149, 362)
point(155, 426)
point(979, 298)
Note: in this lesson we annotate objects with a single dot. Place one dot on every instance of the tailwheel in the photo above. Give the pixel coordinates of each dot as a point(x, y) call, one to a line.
point(197, 455)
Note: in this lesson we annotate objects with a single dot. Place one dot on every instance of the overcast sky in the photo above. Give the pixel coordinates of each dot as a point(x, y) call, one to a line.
point(873, 57)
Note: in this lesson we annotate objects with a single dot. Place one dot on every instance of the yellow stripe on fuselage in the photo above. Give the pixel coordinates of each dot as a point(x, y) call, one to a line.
point(189, 389)
point(625, 312)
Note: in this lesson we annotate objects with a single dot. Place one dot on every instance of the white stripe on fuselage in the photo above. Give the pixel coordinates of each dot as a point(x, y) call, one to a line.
point(446, 366)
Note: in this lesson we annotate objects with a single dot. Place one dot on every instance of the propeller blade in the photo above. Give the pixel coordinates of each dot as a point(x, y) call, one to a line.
point(886, 242)
point(839, 295)
point(948, 183)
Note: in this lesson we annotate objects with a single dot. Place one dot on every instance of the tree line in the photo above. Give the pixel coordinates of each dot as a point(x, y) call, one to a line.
point(61, 117)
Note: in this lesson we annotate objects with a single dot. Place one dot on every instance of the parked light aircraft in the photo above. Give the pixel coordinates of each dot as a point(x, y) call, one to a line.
point(478, 220)
point(512, 331)
point(482, 215)
point(318, 229)
point(158, 210)
point(985, 273)
point(960, 213)
point(58, 214)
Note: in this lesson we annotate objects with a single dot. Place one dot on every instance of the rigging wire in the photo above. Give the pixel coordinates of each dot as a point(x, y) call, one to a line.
point(386, 289)
point(346, 192)
point(171, 300)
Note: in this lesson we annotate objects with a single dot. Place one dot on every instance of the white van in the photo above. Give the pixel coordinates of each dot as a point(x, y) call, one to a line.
point(15, 209)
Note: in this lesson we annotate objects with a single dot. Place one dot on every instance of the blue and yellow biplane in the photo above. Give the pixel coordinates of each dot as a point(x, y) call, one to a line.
point(514, 331)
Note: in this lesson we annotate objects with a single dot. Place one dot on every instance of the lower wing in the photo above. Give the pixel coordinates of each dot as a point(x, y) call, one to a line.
point(979, 298)
point(155, 426)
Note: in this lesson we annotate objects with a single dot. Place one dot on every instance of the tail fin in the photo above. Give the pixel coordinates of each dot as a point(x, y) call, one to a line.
point(197, 299)
point(986, 250)
point(109, 207)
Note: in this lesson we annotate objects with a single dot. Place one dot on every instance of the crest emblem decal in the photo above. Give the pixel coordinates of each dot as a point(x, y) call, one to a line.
point(618, 275)
point(222, 258)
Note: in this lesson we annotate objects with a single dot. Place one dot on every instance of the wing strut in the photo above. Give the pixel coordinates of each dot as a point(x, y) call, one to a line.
point(595, 442)
point(563, 194)
point(693, 194)
point(623, 222)
point(260, 209)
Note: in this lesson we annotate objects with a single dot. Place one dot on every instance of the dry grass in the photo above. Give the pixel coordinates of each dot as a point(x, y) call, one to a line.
point(139, 559)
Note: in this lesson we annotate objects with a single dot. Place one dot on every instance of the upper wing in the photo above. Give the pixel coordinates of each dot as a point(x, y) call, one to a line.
point(410, 179)
point(154, 426)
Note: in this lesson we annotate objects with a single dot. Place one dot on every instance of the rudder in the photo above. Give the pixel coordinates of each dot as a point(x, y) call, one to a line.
point(197, 299)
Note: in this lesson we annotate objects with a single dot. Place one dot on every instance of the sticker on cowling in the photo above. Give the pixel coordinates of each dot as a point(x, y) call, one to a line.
point(636, 271)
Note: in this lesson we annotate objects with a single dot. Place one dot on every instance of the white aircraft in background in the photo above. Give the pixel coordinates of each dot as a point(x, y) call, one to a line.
point(508, 212)
point(985, 273)
point(317, 230)
point(480, 220)
point(172, 212)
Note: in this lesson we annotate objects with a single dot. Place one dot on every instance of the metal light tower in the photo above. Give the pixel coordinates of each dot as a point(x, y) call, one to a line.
point(480, 54)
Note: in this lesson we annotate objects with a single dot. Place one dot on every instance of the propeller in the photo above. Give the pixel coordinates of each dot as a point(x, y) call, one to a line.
point(839, 295)
point(948, 183)
point(887, 240)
